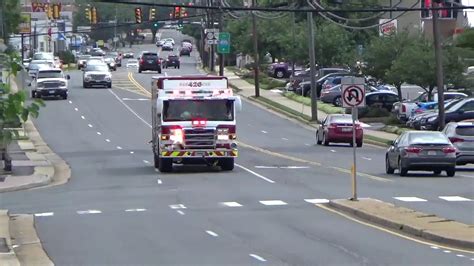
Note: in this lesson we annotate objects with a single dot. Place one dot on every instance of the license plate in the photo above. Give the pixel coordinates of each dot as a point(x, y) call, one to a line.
point(51, 91)
point(199, 153)
point(150, 61)
point(431, 152)
point(346, 129)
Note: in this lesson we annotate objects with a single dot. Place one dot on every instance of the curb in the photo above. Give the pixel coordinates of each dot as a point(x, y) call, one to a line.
point(7, 254)
point(411, 229)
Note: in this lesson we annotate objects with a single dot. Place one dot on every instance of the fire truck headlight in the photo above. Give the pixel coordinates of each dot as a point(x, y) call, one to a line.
point(222, 134)
point(176, 135)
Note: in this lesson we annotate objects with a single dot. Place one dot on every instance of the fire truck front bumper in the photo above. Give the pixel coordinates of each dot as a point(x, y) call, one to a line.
point(200, 154)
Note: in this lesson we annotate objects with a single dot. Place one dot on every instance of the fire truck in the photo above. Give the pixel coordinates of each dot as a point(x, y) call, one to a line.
point(193, 121)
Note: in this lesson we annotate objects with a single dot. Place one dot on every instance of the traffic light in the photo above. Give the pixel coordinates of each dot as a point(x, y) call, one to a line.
point(56, 11)
point(183, 13)
point(177, 12)
point(94, 15)
point(88, 14)
point(49, 11)
point(138, 15)
point(152, 14)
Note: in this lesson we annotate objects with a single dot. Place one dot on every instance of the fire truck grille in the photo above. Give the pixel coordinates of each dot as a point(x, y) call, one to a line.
point(199, 138)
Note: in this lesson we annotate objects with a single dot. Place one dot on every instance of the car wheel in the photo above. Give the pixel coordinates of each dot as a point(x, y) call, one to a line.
point(318, 141)
point(325, 141)
point(84, 85)
point(279, 74)
point(64, 96)
point(337, 101)
point(403, 170)
point(226, 164)
point(159, 71)
point(388, 168)
point(109, 85)
point(33, 94)
point(437, 172)
point(139, 71)
point(451, 172)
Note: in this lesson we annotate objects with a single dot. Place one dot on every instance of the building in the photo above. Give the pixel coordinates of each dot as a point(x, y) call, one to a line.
point(451, 22)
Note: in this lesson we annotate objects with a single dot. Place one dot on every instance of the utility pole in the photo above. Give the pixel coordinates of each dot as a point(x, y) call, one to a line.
point(255, 48)
point(115, 29)
point(439, 66)
point(294, 44)
point(312, 66)
point(221, 55)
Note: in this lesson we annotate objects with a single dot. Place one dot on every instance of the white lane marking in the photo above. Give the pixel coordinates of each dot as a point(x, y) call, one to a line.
point(139, 99)
point(257, 257)
point(130, 109)
point(307, 144)
point(44, 214)
point(180, 212)
point(231, 204)
point(159, 182)
point(333, 151)
point(132, 152)
point(83, 117)
point(70, 101)
point(135, 210)
point(460, 255)
point(447, 251)
point(76, 109)
point(317, 201)
point(89, 212)
point(256, 174)
point(89, 125)
point(454, 198)
point(177, 206)
point(119, 148)
point(367, 158)
point(264, 132)
point(166, 74)
point(434, 247)
point(472, 258)
point(108, 140)
point(212, 233)
point(410, 199)
point(294, 167)
point(98, 133)
point(145, 161)
point(284, 138)
point(273, 202)
point(266, 167)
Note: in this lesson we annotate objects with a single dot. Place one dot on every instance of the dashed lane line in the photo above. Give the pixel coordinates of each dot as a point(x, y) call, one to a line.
point(177, 206)
point(454, 198)
point(181, 212)
point(135, 210)
point(44, 214)
point(211, 233)
point(89, 212)
point(231, 204)
point(273, 202)
point(257, 257)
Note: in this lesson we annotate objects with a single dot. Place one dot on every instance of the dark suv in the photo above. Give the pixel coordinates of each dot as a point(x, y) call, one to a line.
point(149, 61)
point(172, 61)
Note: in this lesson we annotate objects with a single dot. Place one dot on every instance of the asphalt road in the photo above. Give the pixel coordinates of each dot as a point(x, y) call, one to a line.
point(117, 210)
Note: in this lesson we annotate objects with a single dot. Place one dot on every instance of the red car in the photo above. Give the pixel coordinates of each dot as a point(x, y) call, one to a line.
point(337, 128)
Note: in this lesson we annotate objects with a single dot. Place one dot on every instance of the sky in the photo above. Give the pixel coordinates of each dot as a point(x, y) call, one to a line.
point(470, 12)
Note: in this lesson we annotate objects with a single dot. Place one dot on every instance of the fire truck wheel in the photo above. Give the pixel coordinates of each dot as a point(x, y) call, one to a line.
point(226, 164)
point(165, 165)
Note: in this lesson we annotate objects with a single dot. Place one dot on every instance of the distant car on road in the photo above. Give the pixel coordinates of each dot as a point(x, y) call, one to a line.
point(117, 57)
point(132, 63)
point(338, 128)
point(81, 61)
point(167, 47)
point(421, 151)
point(149, 61)
point(96, 75)
point(110, 61)
point(461, 135)
point(185, 51)
point(172, 61)
point(128, 55)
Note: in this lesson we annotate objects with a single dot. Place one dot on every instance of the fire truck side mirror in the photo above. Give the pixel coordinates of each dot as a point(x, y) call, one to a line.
point(159, 106)
point(238, 104)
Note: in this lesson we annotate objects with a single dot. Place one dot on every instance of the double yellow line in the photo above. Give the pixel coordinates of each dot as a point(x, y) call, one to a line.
point(138, 85)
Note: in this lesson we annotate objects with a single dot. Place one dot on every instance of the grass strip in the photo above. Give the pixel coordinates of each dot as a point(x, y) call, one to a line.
point(324, 107)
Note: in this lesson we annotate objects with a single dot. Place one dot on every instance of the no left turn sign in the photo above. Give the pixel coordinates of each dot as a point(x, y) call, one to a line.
point(353, 95)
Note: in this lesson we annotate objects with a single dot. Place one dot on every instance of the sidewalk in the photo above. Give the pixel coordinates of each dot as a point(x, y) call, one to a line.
point(248, 90)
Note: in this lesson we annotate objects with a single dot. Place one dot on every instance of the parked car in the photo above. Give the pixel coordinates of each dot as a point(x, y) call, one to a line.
point(81, 61)
point(281, 69)
point(381, 99)
point(415, 120)
point(149, 61)
point(184, 51)
point(461, 135)
point(50, 82)
point(172, 61)
point(404, 109)
point(167, 47)
point(304, 76)
point(338, 128)
point(421, 151)
point(331, 82)
point(96, 75)
point(333, 94)
point(460, 111)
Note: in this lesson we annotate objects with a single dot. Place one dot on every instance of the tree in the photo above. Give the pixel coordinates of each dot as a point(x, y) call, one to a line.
point(334, 46)
point(380, 55)
point(13, 110)
point(12, 18)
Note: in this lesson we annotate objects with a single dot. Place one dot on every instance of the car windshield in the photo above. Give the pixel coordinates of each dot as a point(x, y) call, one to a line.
point(50, 74)
point(465, 129)
point(35, 66)
point(102, 68)
point(185, 110)
point(427, 138)
point(43, 56)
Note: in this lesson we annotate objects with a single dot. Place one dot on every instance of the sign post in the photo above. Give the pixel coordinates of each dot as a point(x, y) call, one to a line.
point(353, 96)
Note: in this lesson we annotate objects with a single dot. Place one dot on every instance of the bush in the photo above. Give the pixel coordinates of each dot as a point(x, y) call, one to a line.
point(67, 57)
point(373, 112)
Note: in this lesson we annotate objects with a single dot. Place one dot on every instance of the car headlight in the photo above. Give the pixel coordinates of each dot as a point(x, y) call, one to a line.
point(108, 78)
point(87, 77)
point(40, 86)
point(112, 63)
point(431, 119)
point(62, 84)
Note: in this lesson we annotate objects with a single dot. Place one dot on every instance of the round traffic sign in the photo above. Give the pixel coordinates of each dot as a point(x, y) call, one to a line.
point(210, 35)
point(353, 95)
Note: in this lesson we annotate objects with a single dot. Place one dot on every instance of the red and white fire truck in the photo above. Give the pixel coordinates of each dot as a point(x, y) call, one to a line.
point(194, 121)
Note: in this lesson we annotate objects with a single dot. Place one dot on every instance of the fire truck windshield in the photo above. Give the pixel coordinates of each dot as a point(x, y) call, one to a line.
point(211, 110)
